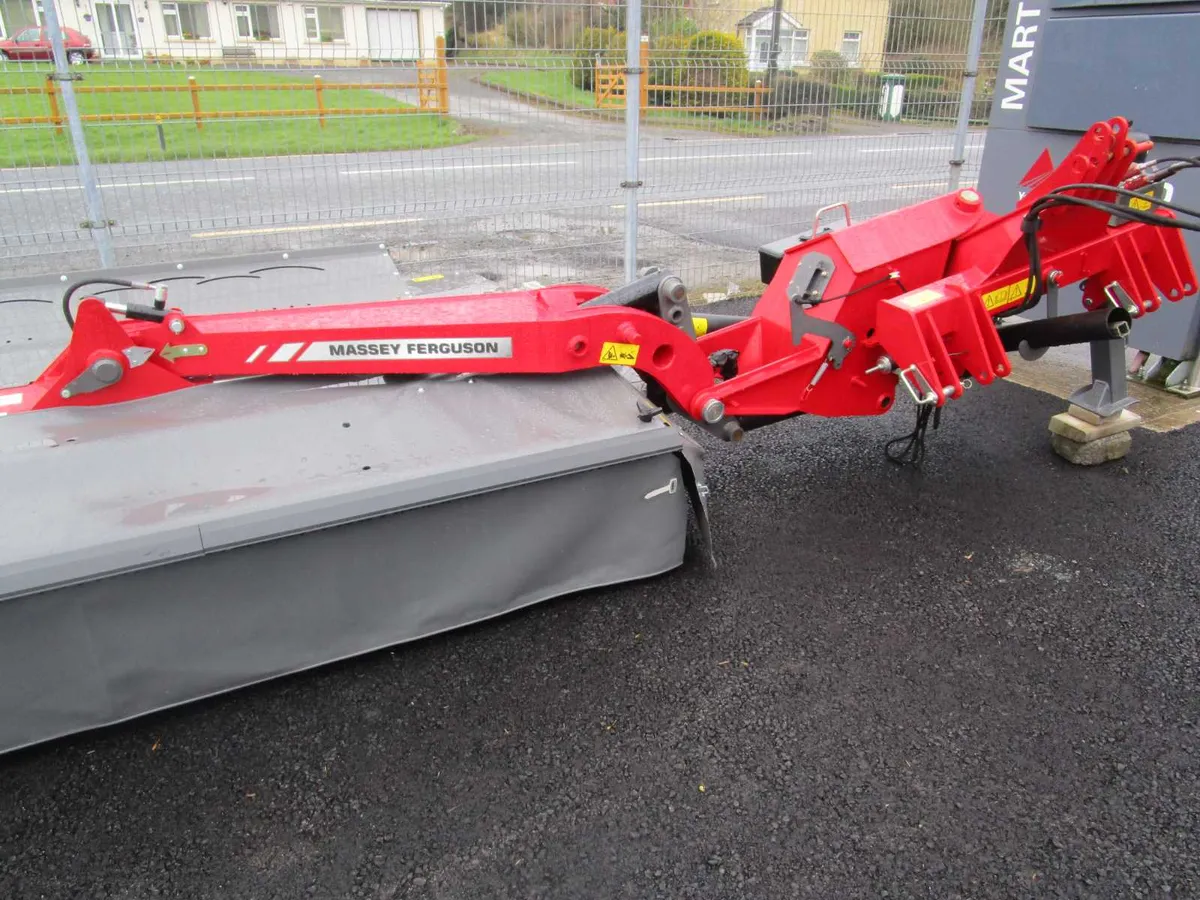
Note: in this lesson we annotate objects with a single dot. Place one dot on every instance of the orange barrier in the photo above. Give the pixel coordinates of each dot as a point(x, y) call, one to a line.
point(432, 87)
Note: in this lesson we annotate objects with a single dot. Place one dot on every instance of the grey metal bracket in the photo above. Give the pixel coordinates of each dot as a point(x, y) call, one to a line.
point(673, 305)
point(1035, 353)
point(1182, 379)
point(99, 375)
point(1106, 395)
point(807, 288)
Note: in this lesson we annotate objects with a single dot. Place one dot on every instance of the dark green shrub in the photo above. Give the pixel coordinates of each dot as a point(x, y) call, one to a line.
point(926, 103)
point(668, 66)
point(828, 65)
point(793, 96)
point(716, 59)
point(607, 43)
point(859, 94)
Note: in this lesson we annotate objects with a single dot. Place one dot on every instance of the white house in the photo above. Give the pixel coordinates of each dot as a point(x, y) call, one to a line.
point(327, 31)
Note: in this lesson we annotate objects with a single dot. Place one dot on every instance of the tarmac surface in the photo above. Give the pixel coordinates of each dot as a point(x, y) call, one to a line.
point(974, 680)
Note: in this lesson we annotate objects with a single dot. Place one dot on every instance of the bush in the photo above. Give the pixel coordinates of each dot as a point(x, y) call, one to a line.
point(926, 103)
point(716, 59)
point(541, 27)
point(828, 65)
point(670, 26)
point(792, 96)
point(926, 82)
point(608, 43)
point(860, 95)
point(668, 66)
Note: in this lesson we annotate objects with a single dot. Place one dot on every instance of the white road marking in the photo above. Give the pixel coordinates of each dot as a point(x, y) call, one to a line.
point(696, 201)
point(122, 184)
point(688, 157)
point(449, 167)
point(899, 149)
point(925, 184)
point(284, 229)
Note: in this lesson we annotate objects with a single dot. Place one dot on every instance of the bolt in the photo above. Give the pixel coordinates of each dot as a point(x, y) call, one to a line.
point(714, 411)
point(65, 394)
point(847, 343)
point(176, 326)
point(107, 371)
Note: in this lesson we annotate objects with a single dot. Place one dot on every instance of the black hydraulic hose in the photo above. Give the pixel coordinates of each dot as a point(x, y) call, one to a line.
point(1062, 331)
point(70, 292)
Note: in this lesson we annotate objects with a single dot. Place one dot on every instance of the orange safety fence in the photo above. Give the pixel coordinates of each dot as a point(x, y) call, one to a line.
point(609, 90)
point(432, 87)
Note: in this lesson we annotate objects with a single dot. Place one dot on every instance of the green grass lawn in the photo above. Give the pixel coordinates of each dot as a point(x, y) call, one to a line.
point(36, 145)
point(553, 83)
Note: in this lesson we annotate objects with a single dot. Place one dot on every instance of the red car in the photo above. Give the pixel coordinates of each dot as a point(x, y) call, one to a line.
point(33, 45)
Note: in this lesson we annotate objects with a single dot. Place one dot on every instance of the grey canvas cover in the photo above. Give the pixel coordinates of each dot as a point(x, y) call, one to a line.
point(156, 552)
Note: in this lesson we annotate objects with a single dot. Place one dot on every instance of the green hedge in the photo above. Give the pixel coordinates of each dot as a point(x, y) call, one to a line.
point(859, 94)
point(793, 96)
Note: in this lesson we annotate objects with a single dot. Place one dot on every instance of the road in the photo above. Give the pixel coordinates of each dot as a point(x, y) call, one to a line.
point(560, 183)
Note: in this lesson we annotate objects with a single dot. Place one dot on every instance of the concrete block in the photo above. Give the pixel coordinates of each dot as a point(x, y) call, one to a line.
point(1082, 431)
point(1086, 414)
point(1092, 453)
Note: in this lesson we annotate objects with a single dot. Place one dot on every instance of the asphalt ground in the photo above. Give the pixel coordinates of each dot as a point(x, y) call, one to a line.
point(977, 679)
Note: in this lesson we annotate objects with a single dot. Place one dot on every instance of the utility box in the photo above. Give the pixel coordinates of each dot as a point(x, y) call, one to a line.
point(1066, 64)
point(891, 97)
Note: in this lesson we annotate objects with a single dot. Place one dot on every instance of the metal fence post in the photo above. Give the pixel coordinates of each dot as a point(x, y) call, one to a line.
point(968, 93)
point(97, 221)
point(633, 114)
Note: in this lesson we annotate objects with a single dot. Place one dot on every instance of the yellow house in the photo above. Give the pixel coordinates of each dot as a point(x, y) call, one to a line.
point(855, 29)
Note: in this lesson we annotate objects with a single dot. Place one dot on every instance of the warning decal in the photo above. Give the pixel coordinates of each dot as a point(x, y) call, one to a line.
point(619, 354)
point(1005, 295)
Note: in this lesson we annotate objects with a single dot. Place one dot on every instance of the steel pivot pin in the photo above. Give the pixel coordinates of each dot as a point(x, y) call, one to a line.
point(714, 411)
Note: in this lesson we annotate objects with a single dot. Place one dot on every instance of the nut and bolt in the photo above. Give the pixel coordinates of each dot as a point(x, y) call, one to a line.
point(176, 326)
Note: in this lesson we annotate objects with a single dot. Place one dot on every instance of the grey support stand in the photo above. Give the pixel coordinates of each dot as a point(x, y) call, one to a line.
point(1097, 426)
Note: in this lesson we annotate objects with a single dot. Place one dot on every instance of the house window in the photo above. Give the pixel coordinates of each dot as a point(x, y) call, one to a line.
point(186, 20)
point(257, 22)
point(793, 47)
point(324, 23)
point(798, 53)
point(851, 46)
point(16, 15)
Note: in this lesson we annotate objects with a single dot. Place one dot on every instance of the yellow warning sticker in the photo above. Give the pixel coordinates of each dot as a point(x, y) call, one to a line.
point(922, 298)
point(619, 354)
point(1005, 295)
point(1139, 203)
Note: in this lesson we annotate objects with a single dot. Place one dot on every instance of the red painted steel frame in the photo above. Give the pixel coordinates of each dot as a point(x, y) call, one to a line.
point(919, 286)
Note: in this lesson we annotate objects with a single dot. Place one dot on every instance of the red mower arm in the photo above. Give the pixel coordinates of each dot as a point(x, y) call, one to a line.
point(910, 298)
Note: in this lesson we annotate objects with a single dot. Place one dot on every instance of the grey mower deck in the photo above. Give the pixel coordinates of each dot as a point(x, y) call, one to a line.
point(156, 552)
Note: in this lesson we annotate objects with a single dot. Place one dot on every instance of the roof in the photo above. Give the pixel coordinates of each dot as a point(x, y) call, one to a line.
point(764, 12)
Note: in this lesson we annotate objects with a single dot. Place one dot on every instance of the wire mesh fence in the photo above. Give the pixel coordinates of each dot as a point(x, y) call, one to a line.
point(477, 137)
